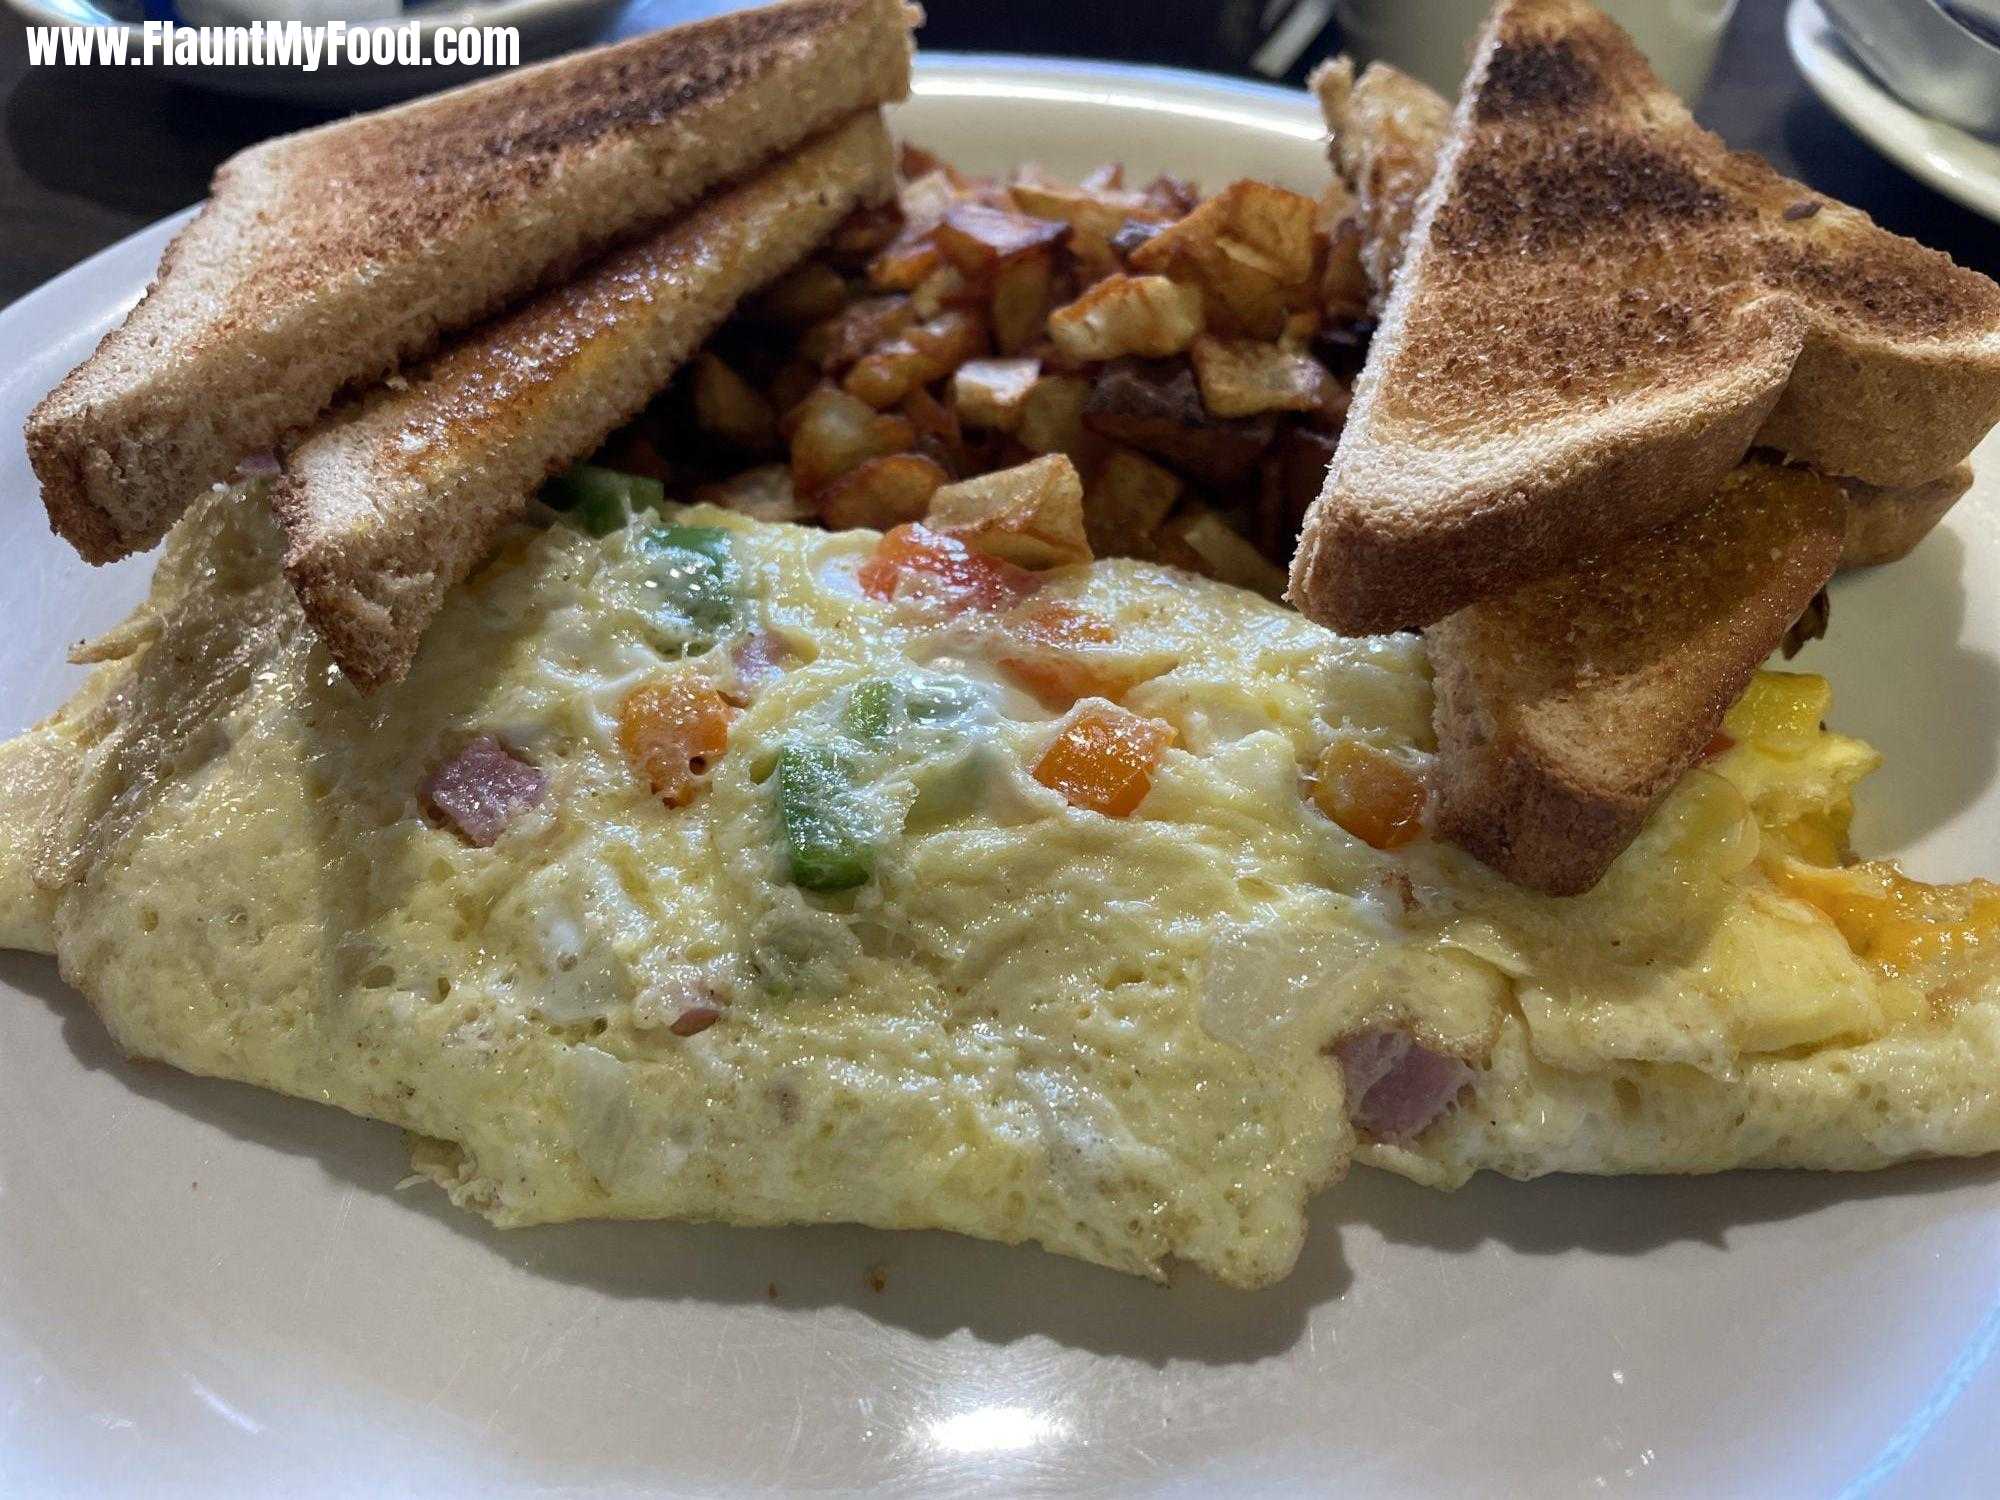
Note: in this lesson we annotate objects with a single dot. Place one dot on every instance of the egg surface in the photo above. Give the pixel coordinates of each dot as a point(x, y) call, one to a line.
point(721, 870)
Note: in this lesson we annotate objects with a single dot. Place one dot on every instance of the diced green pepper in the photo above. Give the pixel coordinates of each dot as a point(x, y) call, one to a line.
point(696, 573)
point(869, 709)
point(824, 847)
point(602, 500)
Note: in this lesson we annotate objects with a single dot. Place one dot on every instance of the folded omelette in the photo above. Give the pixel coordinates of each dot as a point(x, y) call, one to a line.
point(720, 870)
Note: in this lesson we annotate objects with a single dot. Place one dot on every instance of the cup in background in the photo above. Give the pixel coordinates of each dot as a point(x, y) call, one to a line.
point(1432, 39)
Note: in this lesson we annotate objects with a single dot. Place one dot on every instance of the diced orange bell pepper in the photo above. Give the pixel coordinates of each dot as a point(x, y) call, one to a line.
point(961, 577)
point(1370, 794)
point(672, 730)
point(1104, 759)
point(1048, 652)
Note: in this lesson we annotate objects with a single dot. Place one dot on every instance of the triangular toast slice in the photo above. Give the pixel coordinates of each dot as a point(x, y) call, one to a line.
point(1566, 710)
point(400, 495)
point(326, 259)
point(1600, 310)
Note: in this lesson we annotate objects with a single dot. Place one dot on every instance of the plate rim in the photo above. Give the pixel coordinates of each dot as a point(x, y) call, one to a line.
point(1884, 121)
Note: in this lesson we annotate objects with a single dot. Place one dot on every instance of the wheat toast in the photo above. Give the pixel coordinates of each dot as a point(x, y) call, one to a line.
point(399, 495)
point(1600, 310)
point(325, 259)
point(1567, 709)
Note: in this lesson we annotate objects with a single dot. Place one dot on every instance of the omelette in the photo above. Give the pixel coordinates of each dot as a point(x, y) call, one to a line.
point(720, 870)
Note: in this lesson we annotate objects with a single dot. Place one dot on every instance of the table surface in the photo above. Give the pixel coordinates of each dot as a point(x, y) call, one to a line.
point(89, 155)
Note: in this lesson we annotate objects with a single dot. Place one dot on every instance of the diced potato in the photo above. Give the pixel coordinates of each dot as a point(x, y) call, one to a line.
point(1245, 377)
point(990, 393)
point(795, 381)
point(845, 337)
point(1128, 499)
point(1023, 292)
point(1158, 408)
point(802, 297)
point(882, 492)
point(1105, 178)
point(1121, 315)
point(914, 161)
point(979, 240)
point(832, 433)
point(1092, 214)
point(924, 199)
point(1252, 251)
point(1170, 197)
point(1202, 542)
point(906, 261)
point(939, 435)
point(943, 287)
point(863, 233)
point(928, 352)
point(1052, 418)
point(1030, 515)
point(728, 407)
point(763, 494)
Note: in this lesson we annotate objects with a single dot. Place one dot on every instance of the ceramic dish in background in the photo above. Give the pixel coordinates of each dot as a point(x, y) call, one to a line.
point(546, 27)
point(1925, 55)
point(1955, 162)
point(207, 1288)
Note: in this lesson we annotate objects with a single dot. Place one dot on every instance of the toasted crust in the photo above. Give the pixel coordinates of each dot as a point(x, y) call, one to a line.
point(1600, 310)
point(399, 496)
point(324, 260)
point(1567, 709)
point(1886, 524)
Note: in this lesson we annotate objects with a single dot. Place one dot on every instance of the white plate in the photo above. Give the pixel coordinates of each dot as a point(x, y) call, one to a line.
point(1958, 164)
point(546, 27)
point(203, 1286)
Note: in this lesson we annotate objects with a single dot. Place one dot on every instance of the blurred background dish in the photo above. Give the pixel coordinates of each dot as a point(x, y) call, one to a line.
point(1943, 65)
point(1954, 161)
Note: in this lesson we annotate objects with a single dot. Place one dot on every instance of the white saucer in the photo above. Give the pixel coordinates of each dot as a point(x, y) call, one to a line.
point(1958, 164)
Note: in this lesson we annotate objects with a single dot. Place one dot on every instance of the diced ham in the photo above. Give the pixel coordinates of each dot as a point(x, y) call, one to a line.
point(482, 789)
point(696, 1018)
point(259, 466)
point(1395, 1087)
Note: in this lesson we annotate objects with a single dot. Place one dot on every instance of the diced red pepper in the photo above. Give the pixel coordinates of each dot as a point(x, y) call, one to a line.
point(944, 568)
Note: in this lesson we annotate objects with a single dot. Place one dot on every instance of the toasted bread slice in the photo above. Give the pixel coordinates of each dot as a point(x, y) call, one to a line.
point(1386, 129)
point(1886, 524)
point(400, 495)
point(325, 259)
point(1600, 310)
point(1566, 710)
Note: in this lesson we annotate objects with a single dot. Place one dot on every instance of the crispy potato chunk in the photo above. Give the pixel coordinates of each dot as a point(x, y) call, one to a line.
point(930, 351)
point(1202, 542)
point(864, 325)
point(1052, 418)
point(728, 407)
point(1030, 515)
point(763, 494)
point(1121, 315)
point(831, 432)
point(881, 493)
point(1251, 250)
point(1128, 498)
point(1156, 407)
point(1245, 377)
point(979, 239)
point(1023, 293)
point(990, 393)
